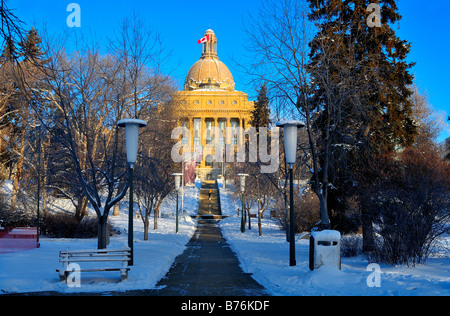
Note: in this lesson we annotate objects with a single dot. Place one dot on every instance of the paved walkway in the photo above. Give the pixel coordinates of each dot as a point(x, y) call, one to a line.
point(208, 266)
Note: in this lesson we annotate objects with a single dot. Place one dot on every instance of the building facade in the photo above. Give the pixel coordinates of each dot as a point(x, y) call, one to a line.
point(213, 111)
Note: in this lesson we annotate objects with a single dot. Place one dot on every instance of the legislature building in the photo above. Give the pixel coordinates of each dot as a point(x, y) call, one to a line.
point(208, 103)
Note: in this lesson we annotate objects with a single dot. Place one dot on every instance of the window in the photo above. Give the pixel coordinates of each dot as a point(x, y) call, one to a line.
point(222, 134)
point(209, 126)
point(234, 127)
point(184, 140)
point(209, 160)
point(197, 129)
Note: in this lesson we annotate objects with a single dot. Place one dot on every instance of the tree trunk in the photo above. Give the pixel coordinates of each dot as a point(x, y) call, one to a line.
point(116, 210)
point(102, 231)
point(81, 208)
point(146, 224)
point(19, 171)
point(324, 219)
point(367, 231)
point(155, 219)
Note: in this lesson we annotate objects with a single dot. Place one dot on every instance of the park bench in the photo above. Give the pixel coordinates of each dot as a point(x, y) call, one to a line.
point(88, 259)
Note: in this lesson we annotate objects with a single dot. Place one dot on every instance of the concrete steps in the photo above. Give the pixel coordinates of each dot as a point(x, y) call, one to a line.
point(209, 201)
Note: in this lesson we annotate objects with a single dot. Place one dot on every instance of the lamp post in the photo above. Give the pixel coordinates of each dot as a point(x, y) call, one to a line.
point(242, 180)
point(290, 148)
point(131, 141)
point(38, 193)
point(178, 177)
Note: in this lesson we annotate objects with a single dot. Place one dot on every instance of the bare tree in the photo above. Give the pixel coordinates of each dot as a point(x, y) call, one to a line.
point(142, 57)
point(82, 90)
point(146, 92)
point(154, 180)
point(429, 124)
point(10, 27)
point(279, 38)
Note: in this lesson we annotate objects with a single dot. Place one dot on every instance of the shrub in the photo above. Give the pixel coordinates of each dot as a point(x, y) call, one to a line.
point(306, 211)
point(16, 217)
point(64, 225)
point(351, 246)
point(407, 199)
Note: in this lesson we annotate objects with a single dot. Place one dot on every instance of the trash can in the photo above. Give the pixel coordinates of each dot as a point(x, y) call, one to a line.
point(325, 249)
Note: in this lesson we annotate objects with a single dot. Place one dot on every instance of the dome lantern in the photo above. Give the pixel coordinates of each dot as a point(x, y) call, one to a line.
point(209, 47)
point(209, 72)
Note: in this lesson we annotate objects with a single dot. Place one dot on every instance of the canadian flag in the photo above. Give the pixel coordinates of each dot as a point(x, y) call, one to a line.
point(203, 39)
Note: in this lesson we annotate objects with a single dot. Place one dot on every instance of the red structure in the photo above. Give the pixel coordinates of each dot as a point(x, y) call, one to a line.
point(18, 238)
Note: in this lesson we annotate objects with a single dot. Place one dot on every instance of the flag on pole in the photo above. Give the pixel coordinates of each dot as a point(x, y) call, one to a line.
point(203, 39)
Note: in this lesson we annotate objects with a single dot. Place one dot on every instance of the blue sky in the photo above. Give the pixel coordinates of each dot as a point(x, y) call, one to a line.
point(181, 23)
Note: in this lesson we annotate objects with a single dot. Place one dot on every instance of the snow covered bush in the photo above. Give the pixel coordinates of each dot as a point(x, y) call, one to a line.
point(351, 245)
point(15, 217)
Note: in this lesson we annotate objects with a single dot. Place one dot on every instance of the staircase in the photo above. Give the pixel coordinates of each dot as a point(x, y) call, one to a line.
point(209, 201)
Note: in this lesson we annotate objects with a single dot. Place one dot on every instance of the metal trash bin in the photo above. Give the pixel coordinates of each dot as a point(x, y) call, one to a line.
point(325, 249)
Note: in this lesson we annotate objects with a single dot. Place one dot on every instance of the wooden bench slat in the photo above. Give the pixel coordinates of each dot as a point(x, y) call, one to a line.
point(95, 251)
point(96, 256)
point(76, 255)
point(99, 270)
point(95, 260)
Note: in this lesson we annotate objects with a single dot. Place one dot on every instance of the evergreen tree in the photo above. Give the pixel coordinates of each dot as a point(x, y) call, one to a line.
point(260, 115)
point(375, 60)
point(31, 46)
point(360, 81)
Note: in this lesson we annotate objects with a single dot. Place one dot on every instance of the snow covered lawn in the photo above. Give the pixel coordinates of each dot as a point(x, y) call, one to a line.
point(267, 257)
point(35, 270)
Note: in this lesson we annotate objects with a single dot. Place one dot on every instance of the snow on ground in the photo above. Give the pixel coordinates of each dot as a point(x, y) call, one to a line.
point(267, 257)
point(35, 270)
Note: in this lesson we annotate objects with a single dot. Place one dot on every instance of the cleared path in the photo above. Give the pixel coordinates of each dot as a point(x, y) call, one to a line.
point(208, 266)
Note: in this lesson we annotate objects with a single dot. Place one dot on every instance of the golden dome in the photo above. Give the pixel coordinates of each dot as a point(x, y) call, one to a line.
point(209, 72)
